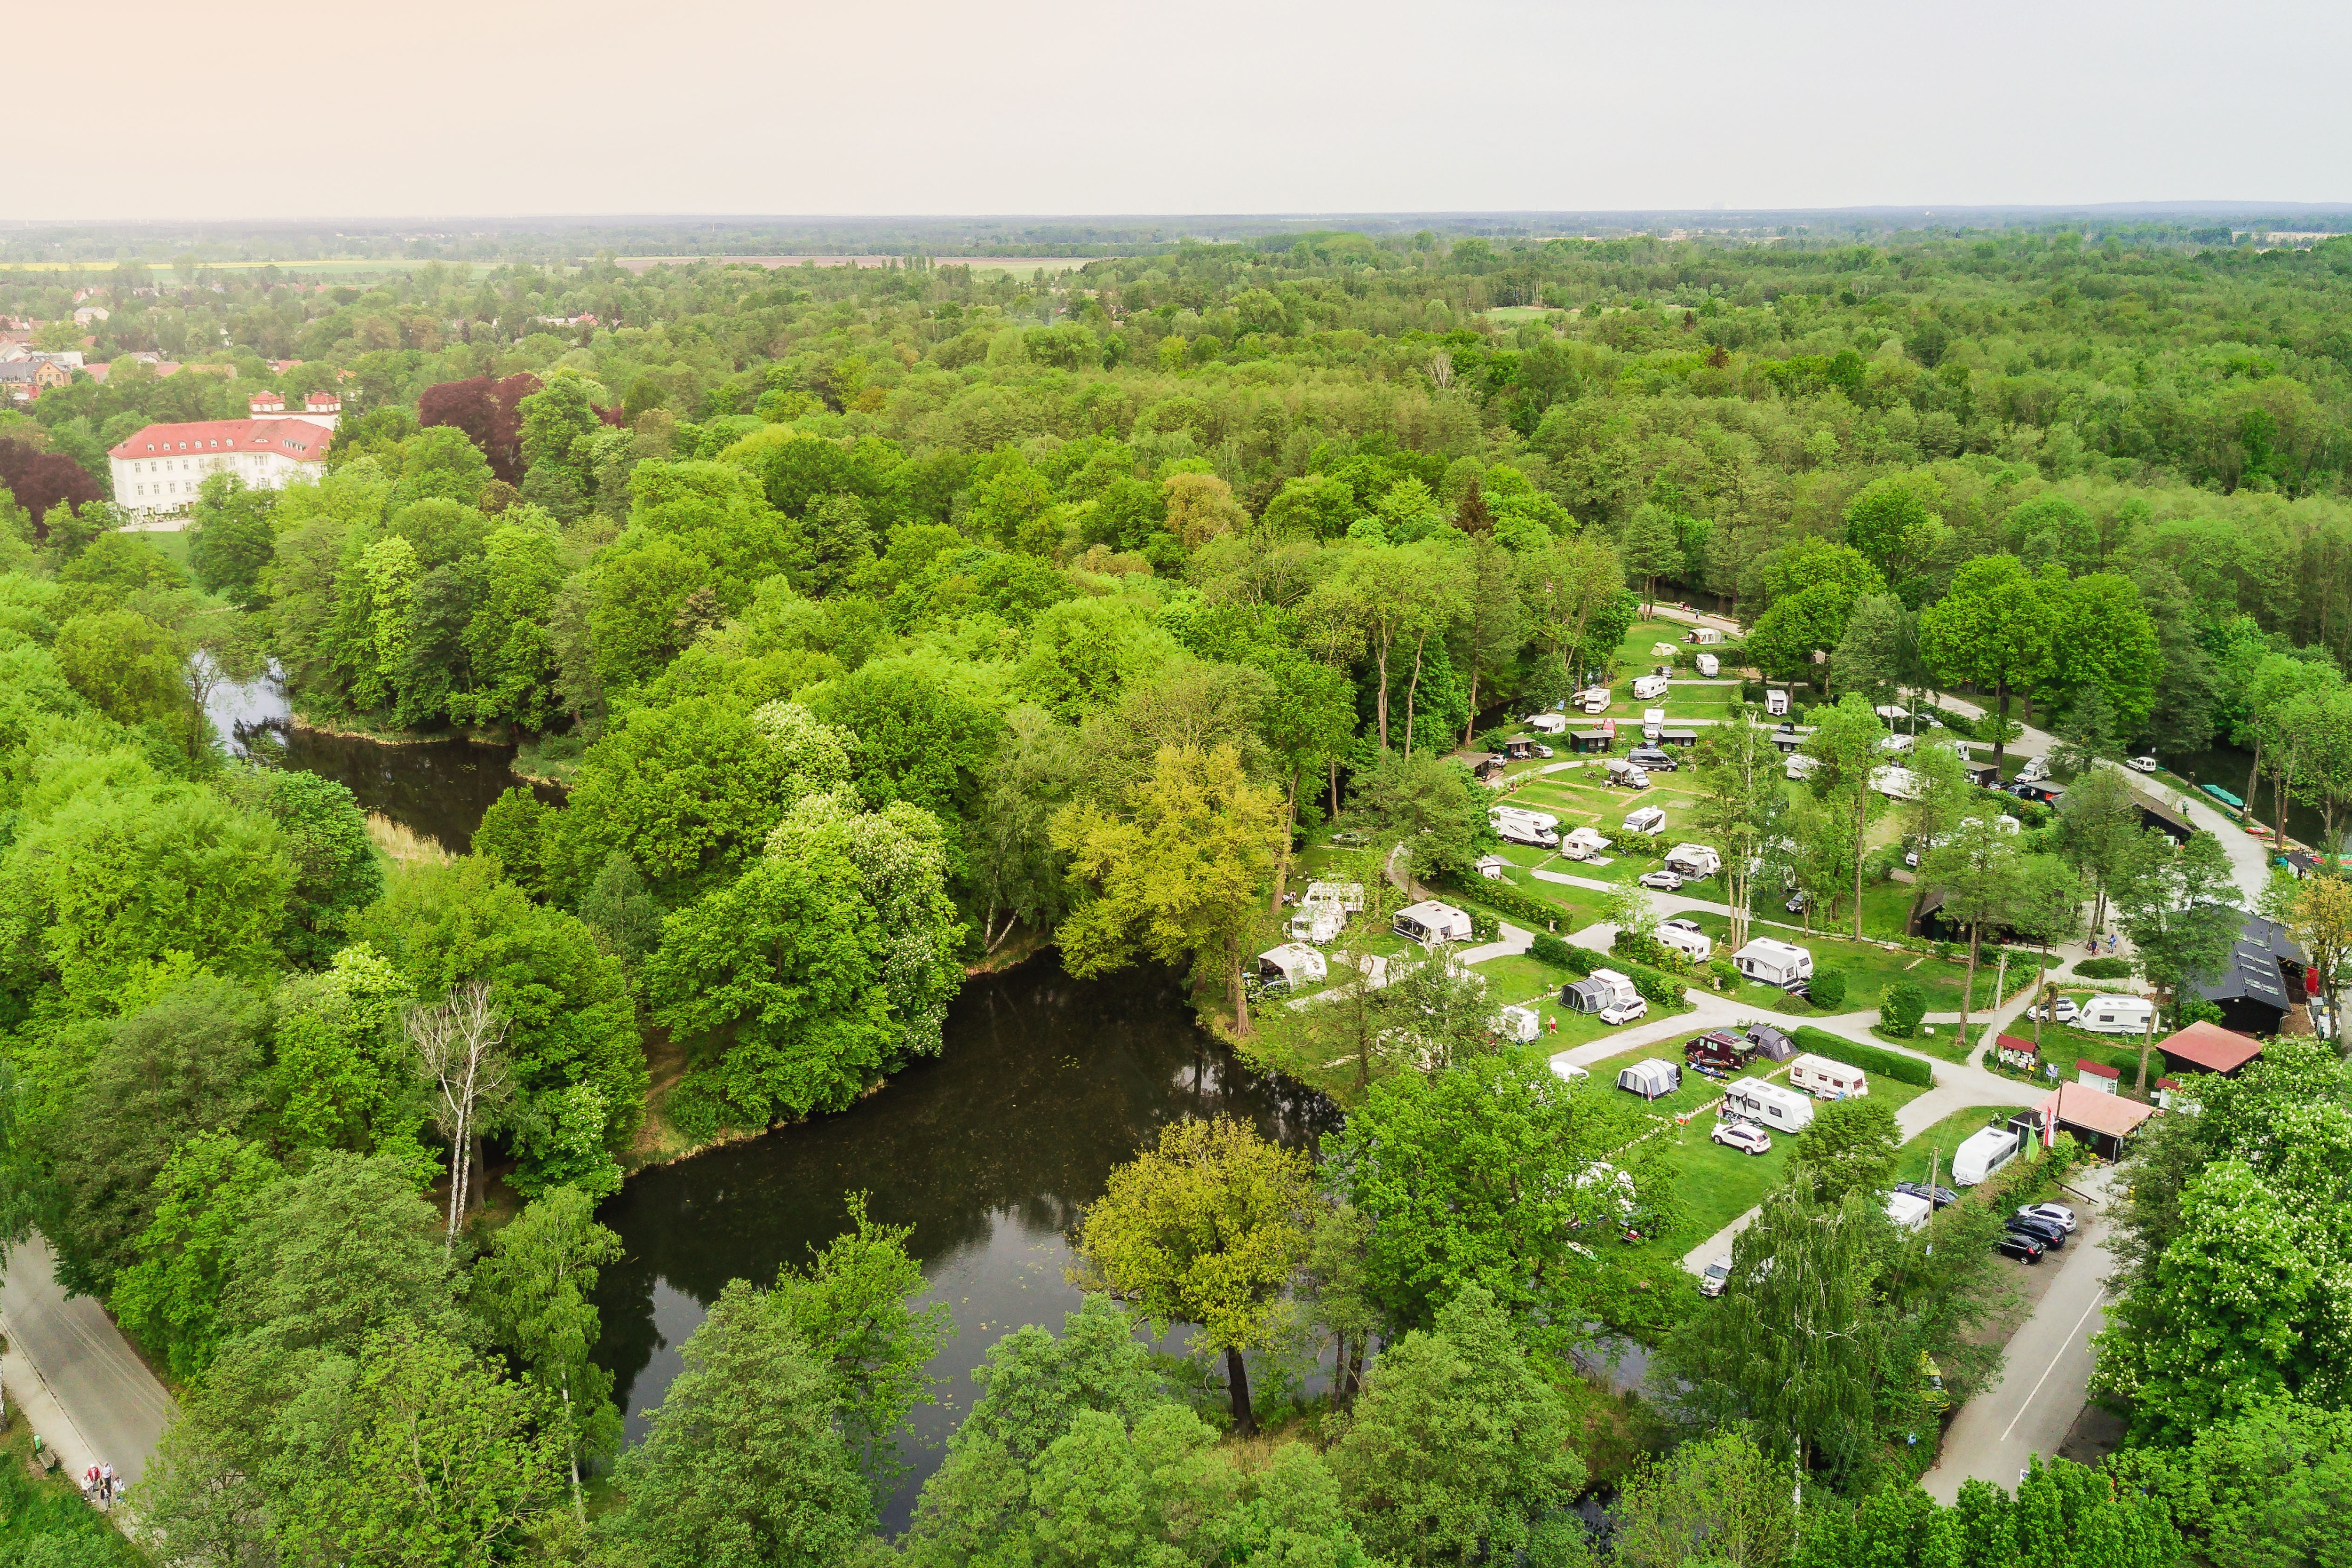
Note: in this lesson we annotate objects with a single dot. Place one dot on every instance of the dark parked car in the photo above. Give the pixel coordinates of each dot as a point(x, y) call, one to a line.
point(2042, 1230)
point(1942, 1197)
point(2017, 1245)
point(1653, 759)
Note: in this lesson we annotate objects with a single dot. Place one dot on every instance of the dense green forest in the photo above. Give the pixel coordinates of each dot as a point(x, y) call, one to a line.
point(883, 622)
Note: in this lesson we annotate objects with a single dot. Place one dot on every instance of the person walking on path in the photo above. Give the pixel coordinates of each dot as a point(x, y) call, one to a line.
point(106, 1484)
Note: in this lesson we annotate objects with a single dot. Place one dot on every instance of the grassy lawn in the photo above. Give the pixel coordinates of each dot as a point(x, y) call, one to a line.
point(1911, 1164)
point(1717, 1184)
point(1529, 984)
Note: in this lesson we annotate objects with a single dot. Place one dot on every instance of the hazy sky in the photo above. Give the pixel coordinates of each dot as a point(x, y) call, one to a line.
point(499, 107)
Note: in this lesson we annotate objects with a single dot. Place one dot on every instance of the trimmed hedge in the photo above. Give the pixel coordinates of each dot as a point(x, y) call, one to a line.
point(1500, 897)
point(1869, 1058)
point(2105, 969)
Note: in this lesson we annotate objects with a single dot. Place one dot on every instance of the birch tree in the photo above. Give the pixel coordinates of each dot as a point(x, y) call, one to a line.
point(459, 1043)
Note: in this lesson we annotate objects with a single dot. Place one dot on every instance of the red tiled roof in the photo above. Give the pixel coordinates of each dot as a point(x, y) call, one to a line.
point(2211, 1047)
point(2085, 1064)
point(295, 439)
point(2109, 1113)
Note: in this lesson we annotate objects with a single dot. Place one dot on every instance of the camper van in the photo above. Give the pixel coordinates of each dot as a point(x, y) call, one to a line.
point(1430, 922)
point(1708, 665)
point(1625, 775)
point(1688, 939)
point(1546, 723)
point(1649, 688)
point(2116, 1015)
point(1694, 861)
point(1582, 843)
point(1768, 1105)
point(1982, 1153)
point(1594, 700)
point(1825, 1080)
point(1646, 819)
point(1514, 824)
point(1289, 966)
point(1773, 963)
point(1776, 702)
point(1516, 1024)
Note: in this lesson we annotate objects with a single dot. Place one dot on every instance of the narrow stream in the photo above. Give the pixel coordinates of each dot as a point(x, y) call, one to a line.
point(989, 1152)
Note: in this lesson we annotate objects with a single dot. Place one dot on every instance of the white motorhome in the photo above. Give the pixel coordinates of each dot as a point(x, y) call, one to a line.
point(2116, 1015)
point(1907, 1212)
point(1291, 965)
point(1649, 688)
point(1708, 665)
point(1694, 860)
point(1582, 843)
point(1694, 945)
point(1595, 700)
point(1653, 723)
point(1767, 1105)
point(1516, 825)
point(1430, 922)
point(1646, 819)
point(1546, 723)
point(1981, 1154)
point(1825, 1080)
point(1773, 962)
point(1776, 702)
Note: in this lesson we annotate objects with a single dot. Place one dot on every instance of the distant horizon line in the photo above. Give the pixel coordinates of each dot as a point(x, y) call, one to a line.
point(2201, 207)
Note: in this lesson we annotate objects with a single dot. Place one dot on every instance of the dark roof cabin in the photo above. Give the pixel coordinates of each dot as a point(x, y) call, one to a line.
point(2264, 981)
point(2164, 819)
point(1933, 923)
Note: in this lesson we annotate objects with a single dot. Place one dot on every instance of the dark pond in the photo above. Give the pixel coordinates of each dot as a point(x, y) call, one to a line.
point(2226, 766)
point(440, 788)
point(989, 1150)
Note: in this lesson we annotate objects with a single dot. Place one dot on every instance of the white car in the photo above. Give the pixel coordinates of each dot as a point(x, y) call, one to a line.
point(1664, 881)
point(2058, 1215)
point(1624, 1012)
point(1681, 923)
point(1743, 1136)
point(1717, 1274)
point(2142, 764)
point(2062, 1011)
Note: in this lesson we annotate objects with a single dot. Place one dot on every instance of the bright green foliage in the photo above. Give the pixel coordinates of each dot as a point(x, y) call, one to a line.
point(925, 728)
point(2062, 1514)
point(336, 872)
point(570, 1025)
point(1205, 1229)
point(170, 1299)
point(1459, 1446)
point(853, 1305)
point(1439, 1164)
point(1995, 627)
point(127, 666)
point(1849, 1149)
point(339, 1075)
point(1427, 803)
point(1084, 654)
point(532, 1292)
point(184, 1064)
point(233, 542)
point(1716, 1499)
point(2264, 1491)
point(743, 1468)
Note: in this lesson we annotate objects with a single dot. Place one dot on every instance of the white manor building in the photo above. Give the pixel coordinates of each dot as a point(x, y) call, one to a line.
point(157, 470)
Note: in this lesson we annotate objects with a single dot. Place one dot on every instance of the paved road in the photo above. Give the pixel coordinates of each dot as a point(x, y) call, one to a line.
point(101, 1402)
point(2047, 1374)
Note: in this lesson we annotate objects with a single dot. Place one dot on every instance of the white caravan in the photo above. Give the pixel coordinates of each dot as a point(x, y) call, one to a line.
point(1767, 1105)
point(1772, 961)
point(2116, 1015)
point(1981, 1154)
point(1649, 688)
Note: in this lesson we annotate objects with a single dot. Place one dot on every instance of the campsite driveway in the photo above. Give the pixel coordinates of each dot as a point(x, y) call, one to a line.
point(2047, 1374)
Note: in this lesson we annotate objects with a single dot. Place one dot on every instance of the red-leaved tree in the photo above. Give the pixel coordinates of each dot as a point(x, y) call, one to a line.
point(488, 412)
point(40, 481)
